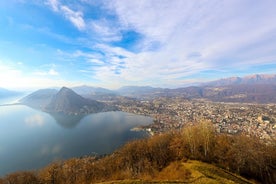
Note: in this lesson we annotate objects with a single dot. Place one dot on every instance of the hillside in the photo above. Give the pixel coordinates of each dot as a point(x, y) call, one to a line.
point(39, 99)
point(191, 171)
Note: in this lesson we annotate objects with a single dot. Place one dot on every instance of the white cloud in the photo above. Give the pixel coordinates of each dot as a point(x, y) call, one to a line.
point(146, 68)
point(76, 17)
point(107, 31)
point(224, 34)
point(15, 78)
point(51, 72)
point(96, 61)
point(54, 4)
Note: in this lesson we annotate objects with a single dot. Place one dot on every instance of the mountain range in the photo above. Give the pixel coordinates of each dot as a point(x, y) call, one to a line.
point(247, 80)
point(257, 88)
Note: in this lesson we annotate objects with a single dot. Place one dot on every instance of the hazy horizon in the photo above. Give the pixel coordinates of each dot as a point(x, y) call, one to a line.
point(31, 89)
point(112, 44)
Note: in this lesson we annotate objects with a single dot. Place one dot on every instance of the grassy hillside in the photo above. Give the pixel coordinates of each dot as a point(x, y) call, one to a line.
point(167, 158)
point(194, 172)
point(191, 172)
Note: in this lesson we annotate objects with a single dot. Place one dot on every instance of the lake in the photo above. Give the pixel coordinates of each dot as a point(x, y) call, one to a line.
point(31, 139)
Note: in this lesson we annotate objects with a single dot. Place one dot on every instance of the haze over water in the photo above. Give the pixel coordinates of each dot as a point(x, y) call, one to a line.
point(30, 139)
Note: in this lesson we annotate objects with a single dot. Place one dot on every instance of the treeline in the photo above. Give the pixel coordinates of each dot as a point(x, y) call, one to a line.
point(147, 158)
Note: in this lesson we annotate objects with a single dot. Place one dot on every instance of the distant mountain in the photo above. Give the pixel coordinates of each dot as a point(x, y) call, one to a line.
point(246, 93)
point(140, 91)
point(187, 92)
point(257, 88)
point(135, 89)
point(39, 99)
point(7, 93)
point(95, 93)
point(250, 93)
point(247, 80)
point(68, 102)
point(89, 90)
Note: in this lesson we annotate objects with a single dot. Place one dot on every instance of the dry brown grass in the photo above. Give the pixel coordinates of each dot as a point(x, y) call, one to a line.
point(190, 172)
point(176, 171)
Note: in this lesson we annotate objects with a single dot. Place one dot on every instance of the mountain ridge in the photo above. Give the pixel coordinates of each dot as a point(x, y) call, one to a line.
point(39, 99)
point(249, 79)
point(257, 88)
point(90, 90)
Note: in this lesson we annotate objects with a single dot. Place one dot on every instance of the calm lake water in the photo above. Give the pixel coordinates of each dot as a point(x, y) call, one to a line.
point(30, 139)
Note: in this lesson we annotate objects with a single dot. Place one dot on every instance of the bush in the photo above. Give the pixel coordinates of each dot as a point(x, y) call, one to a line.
point(20, 178)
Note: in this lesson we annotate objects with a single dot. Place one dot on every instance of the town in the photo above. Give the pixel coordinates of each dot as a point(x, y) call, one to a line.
point(257, 120)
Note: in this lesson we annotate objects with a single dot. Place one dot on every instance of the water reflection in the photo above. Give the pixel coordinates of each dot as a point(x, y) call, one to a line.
point(31, 139)
point(66, 121)
point(35, 120)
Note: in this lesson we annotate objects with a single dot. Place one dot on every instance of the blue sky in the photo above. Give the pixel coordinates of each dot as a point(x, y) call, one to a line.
point(113, 43)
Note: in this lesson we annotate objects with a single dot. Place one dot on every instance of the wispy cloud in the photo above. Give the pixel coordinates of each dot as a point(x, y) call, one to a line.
point(51, 72)
point(105, 30)
point(75, 17)
point(54, 4)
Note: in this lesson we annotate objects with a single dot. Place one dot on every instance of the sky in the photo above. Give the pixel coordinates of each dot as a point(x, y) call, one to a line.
point(114, 43)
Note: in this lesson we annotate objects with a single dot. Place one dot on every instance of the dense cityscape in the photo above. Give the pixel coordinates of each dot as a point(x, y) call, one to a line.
point(233, 118)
